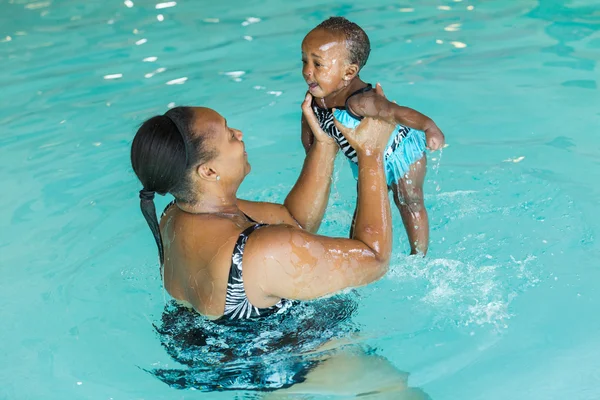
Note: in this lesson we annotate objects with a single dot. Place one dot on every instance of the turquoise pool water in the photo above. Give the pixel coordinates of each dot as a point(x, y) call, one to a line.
point(504, 307)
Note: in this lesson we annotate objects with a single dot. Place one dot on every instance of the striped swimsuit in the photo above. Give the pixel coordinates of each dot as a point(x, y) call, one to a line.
point(237, 305)
point(405, 147)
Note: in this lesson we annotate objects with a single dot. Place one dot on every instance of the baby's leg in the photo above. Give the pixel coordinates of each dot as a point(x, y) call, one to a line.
point(408, 196)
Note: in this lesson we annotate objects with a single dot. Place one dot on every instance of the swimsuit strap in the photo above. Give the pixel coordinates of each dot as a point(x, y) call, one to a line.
point(171, 204)
point(359, 91)
point(237, 305)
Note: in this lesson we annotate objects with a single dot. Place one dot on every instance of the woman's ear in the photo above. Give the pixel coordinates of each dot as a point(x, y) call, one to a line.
point(206, 172)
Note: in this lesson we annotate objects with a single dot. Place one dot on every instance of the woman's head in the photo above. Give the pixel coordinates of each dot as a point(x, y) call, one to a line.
point(333, 54)
point(187, 151)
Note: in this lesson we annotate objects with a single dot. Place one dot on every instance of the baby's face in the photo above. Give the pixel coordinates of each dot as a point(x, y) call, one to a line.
point(325, 62)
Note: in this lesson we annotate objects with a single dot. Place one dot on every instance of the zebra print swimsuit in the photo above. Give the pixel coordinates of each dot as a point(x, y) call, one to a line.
point(325, 118)
point(237, 305)
point(405, 147)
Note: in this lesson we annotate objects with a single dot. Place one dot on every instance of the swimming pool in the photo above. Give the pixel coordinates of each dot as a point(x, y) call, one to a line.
point(503, 306)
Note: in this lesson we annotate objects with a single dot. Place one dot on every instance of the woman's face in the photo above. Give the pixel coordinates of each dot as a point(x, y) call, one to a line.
point(231, 160)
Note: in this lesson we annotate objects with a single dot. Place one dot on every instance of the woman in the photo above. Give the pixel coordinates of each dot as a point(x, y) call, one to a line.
point(232, 259)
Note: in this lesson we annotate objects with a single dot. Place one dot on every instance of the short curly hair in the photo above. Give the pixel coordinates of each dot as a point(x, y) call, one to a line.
point(357, 41)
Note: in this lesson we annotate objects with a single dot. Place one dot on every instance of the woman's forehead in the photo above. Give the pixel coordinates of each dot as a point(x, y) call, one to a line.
point(206, 119)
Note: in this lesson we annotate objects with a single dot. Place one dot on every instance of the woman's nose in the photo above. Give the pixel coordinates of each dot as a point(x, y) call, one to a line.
point(238, 134)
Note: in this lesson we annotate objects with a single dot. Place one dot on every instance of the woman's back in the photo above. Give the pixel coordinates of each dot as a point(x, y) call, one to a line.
point(198, 261)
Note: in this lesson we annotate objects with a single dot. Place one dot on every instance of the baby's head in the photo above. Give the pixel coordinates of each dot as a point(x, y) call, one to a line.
point(332, 55)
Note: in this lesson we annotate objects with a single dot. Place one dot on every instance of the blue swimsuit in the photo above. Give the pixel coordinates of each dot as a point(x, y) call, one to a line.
point(405, 147)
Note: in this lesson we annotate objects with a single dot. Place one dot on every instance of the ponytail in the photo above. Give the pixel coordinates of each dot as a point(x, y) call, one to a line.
point(149, 212)
point(163, 150)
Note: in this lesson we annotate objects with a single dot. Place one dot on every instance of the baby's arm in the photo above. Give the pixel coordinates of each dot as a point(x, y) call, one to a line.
point(371, 105)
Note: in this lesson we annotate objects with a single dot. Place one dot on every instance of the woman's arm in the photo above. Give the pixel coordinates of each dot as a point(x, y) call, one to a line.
point(307, 136)
point(286, 262)
point(308, 199)
point(305, 205)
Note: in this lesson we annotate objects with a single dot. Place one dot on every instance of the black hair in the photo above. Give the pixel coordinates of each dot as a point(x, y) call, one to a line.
point(163, 151)
point(357, 41)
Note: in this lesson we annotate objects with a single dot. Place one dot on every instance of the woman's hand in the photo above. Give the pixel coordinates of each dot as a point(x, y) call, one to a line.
point(371, 135)
point(318, 133)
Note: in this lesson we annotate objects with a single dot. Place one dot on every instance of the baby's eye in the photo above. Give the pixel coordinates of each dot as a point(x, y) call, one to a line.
point(317, 64)
point(303, 61)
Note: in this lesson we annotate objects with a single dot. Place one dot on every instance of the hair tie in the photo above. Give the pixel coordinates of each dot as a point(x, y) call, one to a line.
point(146, 194)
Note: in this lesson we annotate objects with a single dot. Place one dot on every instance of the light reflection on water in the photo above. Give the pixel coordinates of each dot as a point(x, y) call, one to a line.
point(507, 292)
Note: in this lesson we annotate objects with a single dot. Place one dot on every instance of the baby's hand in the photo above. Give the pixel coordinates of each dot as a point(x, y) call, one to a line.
point(435, 138)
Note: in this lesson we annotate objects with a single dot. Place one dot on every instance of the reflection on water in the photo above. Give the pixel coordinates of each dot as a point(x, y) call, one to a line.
point(570, 26)
point(278, 352)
